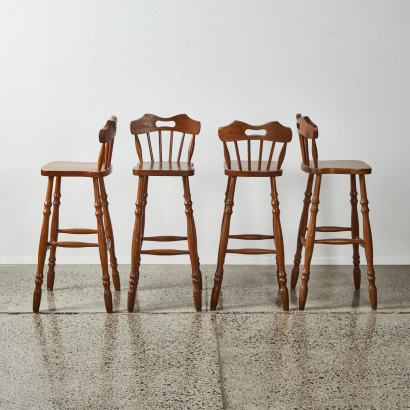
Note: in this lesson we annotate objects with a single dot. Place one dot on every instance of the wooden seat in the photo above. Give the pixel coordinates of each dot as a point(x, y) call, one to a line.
point(238, 132)
point(337, 167)
point(164, 166)
point(97, 171)
point(240, 169)
point(307, 229)
point(74, 169)
point(164, 169)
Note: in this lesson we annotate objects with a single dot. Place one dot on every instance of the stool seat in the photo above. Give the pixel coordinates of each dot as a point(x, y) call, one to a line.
point(234, 171)
point(351, 167)
point(170, 169)
point(74, 169)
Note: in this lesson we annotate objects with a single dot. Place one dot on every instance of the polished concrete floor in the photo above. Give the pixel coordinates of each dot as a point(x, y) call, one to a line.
point(337, 354)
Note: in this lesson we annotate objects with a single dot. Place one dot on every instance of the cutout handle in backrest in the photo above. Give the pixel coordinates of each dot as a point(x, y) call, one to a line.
point(106, 136)
point(241, 131)
point(307, 130)
point(151, 123)
point(238, 130)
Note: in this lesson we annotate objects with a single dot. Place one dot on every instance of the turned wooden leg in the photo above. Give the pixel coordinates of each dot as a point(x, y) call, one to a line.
point(355, 232)
point(102, 246)
point(110, 236)
point(144, 200)
point(192, 245)
point(302, 232)
point(280, 251)
point(42, 248)
point(223, 243)
point(310, 242)
point(136, 244)
point(368, 243)
point(54, 234)
point(226, 196)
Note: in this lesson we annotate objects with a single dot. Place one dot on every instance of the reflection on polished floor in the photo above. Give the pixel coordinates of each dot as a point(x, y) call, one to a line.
point(248, 355)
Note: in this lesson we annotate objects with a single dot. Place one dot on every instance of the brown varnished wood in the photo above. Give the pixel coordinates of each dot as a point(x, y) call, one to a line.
point(368, 243)
point(332, 229)
point(54, 235)
point(42, 248)
point(270, 156)
point(260, 155)
point(102, 246)
point(96, 170)
point(251, 237)
point(150, 147)
point(302, 231)
point(251, 251)
point(308, 130)
point(310, 241)
point(227, 156)
point(355, 232)
point(164, 169)
point(74, 169)
point(280, 250)
point(338, 167)
point(77, 231)
point(110, 236)
point(184, 125)
point(192, 246)
point(72, 244)
point(223, 243)
point(165, 238)
point(243, 171)
point(107, 133)
point(136, 245)
point(340, 241)
point(165, 252)
point(147, 123)
point(171, 143)
point(106, 136)
point(181, 144)
point(235, 132)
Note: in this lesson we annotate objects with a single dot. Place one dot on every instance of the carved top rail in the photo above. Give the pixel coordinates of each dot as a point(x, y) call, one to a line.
point(149, 123)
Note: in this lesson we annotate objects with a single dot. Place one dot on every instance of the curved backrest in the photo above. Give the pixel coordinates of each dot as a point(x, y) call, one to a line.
point(307, 130)
point(149, 123)
point(106, 136)
point(241, 131)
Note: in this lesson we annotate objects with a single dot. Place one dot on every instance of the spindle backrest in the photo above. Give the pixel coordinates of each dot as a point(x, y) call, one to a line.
point(307, 130)
point(107, 135)
point(148, 124)
point(274, 132)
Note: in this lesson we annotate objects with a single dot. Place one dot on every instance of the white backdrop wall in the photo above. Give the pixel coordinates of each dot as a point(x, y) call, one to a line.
point(67, 66)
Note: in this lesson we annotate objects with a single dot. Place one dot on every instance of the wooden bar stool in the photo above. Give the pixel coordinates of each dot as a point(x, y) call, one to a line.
point(146, 125)
point(308, 130)
point(97, 171)
point(274, 132)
